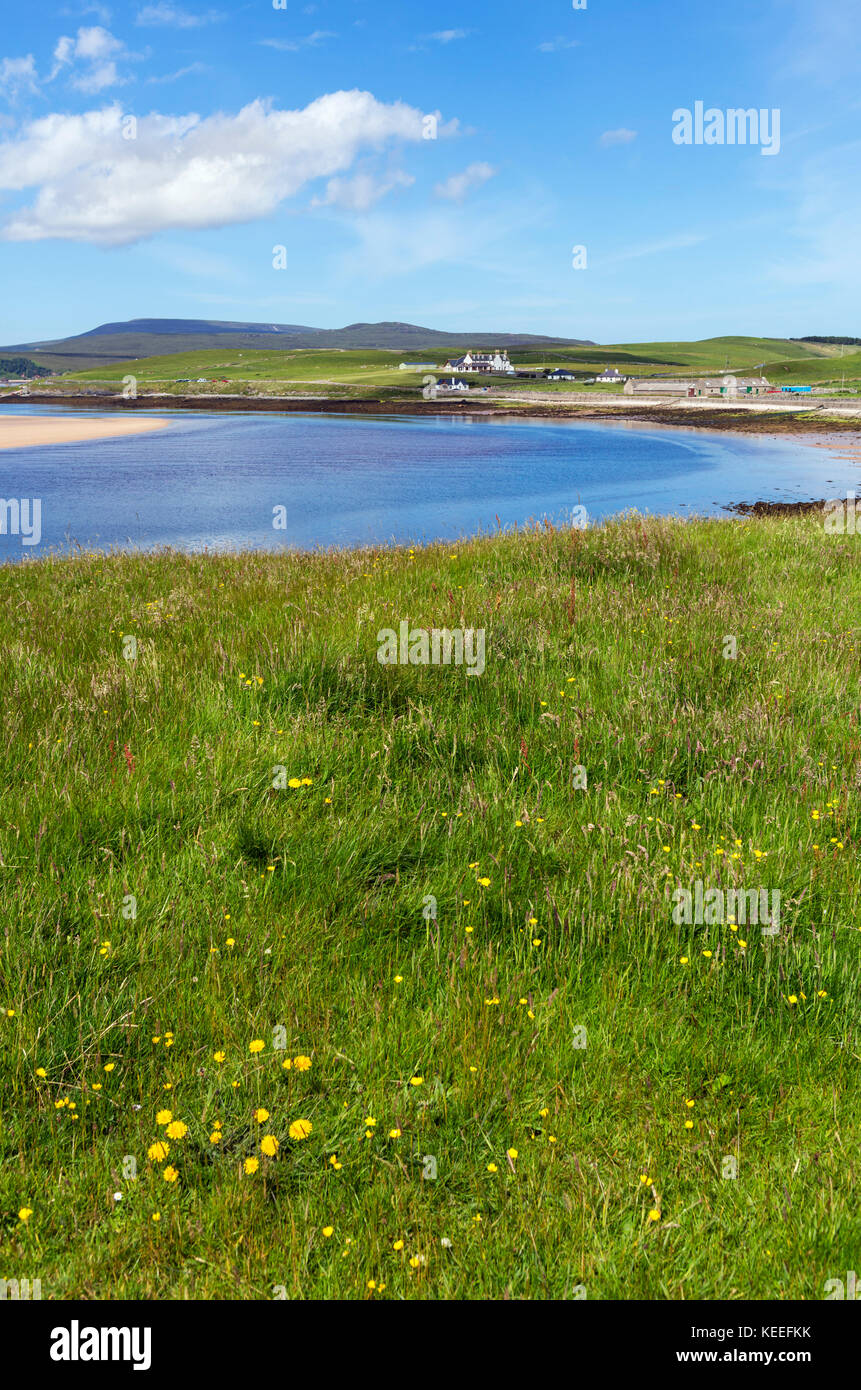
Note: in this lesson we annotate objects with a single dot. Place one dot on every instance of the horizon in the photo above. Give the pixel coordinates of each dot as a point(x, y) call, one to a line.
point(289, 164)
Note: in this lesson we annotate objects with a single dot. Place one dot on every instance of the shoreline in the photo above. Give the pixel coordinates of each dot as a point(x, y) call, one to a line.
point(739, 419)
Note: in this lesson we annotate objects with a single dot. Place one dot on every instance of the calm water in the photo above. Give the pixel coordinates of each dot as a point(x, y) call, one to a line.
point(214, 480)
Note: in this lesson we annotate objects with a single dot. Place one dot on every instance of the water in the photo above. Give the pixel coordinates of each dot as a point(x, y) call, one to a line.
point(213, 481)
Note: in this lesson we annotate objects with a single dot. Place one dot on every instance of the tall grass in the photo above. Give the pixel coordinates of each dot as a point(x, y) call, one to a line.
point(162, 902)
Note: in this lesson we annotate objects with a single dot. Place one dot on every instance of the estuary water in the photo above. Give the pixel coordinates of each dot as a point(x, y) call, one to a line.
point(251, 481)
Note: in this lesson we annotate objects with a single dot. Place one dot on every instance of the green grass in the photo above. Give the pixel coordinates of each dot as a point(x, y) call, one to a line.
point(358, 373)
point(153, 778)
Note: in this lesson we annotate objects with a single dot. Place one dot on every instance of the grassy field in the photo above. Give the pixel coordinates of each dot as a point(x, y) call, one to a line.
point(365, 372)
point(433, 953)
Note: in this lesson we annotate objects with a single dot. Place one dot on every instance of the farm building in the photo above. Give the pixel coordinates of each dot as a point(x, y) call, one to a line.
point(611, 374)
point(729, 387)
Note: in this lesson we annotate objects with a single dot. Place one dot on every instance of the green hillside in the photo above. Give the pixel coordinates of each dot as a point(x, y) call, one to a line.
point(355, 372)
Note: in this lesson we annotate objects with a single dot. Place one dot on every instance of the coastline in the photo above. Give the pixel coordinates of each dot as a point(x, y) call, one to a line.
point(37, 431)
point(777, 422)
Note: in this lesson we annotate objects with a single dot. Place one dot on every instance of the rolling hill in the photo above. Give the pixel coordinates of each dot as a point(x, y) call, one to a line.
point(137, 338)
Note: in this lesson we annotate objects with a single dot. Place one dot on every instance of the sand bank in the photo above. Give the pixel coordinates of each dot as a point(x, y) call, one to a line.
point(18, 432)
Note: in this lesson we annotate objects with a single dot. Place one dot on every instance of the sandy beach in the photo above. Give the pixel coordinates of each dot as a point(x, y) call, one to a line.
point(26, 430)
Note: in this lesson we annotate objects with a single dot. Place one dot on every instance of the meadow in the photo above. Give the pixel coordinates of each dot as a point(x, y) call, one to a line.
point(327, 979)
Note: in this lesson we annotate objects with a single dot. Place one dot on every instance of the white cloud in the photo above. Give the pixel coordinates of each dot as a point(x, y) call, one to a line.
point(457, 187)
point(180, 72)
point(360, 192)
point(17, 76)
point(294, 45)
point(554, 45)
point(91, 55)
point(171, 16)
point(448, 35)
point(617, 137)
point(185, 172)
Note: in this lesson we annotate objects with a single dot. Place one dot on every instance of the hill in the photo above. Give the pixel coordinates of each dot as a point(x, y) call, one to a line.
point(137, 338)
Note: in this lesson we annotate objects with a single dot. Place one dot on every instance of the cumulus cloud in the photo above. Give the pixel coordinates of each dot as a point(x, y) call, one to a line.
point(97, 185)
point(617, 137)
point(457, 187)
point(91, 56)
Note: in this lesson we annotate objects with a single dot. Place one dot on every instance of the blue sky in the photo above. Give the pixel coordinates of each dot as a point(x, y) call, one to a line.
point(305, 127)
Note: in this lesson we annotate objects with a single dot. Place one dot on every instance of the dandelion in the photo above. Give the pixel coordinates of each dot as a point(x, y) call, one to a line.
point(398, 1245)
point(300, 1129)
point(394, 1134)
point(215, 1137)
point(158, 1152)
point(261, 1115)
point(328, 1231)
point(176, 1130)
point(287, 1064)
point(24, 1214)
point(512, 1153)
point(170, 1174)
point(219, 1056)
point(654, 1214)
point(40, 1071)
point(109, 1066)
point(256, 1045)
point(485, 882)
point(417, 1080)
point(164, 1117)
point(269, 1145)
point(251, 1165)
point(302, 1063)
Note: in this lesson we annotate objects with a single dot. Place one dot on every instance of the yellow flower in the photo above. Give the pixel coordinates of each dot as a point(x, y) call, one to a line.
point(109, 1066)
point(394, 1134)
point(683, 960)
point(251, 1165)
point(485, 882)
point(295, 782)
point(398, 1245)
point(492, 1168)
point(328, 1231)
point(215, 1137)
point(261, 1115)
point(218, 1056)
point(158, 1152)
point(164, 1117)
point(287, 1064)
point(793, 999)
point(269, 1145)
point(302, 1063)
point(170, 1174)
point(156, 1216)
point(415, 1261)
point(689, 1124)
point(25, 1213)
point(256, 1045)
point(654, 1214)
point(40, 1071)
point(417, 1081)
point(176, 1130)
point(512, 1153)
point(399, 979)
point(300, 1129)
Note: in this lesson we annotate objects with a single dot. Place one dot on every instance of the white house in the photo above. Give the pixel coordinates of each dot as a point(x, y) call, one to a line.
point(611, 375)
point(484, 362)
